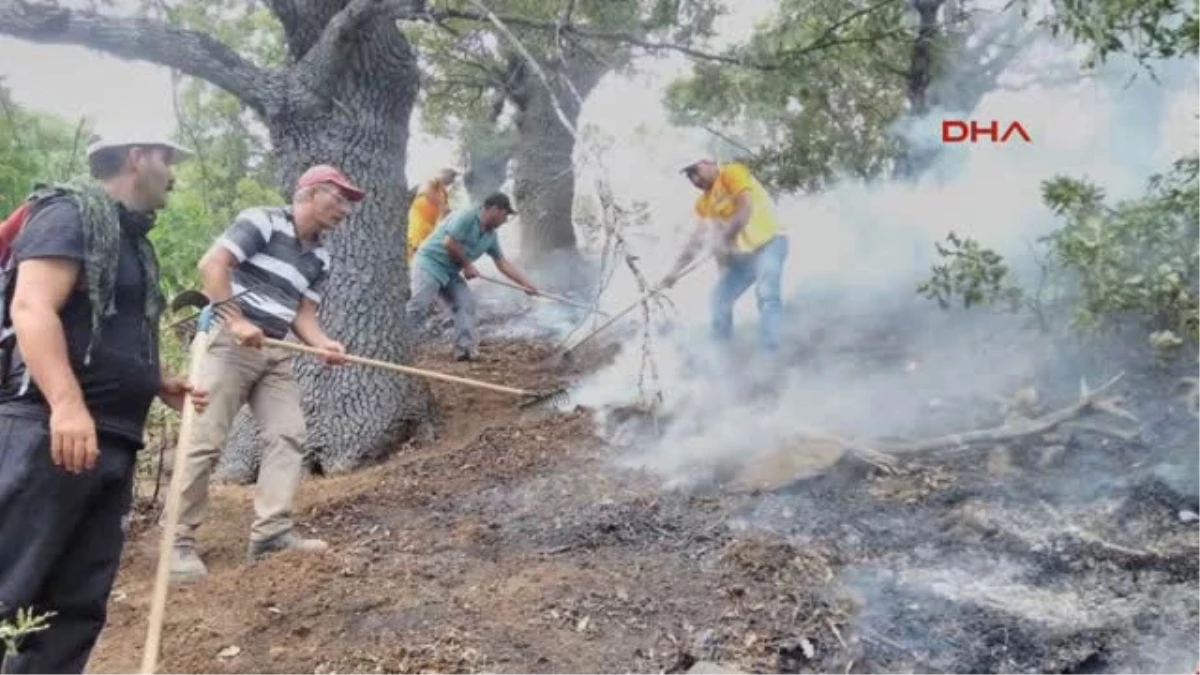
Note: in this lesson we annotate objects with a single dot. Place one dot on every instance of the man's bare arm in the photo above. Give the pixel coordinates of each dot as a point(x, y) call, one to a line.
point(457, 252)
point(306, 326)
point(509, 270)
point(690, 249)
point(43, 286)
point(216, 277)
point(740, 217)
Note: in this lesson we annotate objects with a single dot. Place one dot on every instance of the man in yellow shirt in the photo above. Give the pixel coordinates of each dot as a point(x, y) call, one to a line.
point(736, 218)
point(428, 208)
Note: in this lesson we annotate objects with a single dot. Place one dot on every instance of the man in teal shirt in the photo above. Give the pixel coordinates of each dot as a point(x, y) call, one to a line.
point(448, 255)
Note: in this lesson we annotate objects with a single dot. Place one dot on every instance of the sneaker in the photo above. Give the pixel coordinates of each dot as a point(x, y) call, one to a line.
point(464, 355)
point(287, 541)
point(186, 565)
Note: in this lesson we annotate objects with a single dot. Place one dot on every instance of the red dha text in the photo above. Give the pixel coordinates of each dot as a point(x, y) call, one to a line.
point(958, 131)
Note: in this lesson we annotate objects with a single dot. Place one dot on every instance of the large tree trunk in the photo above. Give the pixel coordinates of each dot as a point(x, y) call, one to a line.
point(355, 414)
point(346, 100)
point(958, 76)
point(488, 146)
point(544, 173)
point(916, 159)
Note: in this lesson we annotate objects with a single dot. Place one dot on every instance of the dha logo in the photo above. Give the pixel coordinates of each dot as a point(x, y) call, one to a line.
point(958, 131)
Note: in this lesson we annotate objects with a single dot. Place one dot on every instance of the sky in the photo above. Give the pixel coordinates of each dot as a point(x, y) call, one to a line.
point(643, 152)
point(75, 82)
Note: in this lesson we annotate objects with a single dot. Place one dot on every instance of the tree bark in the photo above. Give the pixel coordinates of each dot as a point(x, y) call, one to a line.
point(488, 147)
point(915, 160)
point(959, 80)
point(544, 171)
point(346, 101)
point(354, 414)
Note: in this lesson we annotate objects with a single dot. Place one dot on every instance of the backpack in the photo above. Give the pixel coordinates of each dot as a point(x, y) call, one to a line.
point(10, 229)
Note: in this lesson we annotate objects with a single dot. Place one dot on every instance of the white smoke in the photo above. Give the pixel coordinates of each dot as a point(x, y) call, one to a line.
point(858, 251)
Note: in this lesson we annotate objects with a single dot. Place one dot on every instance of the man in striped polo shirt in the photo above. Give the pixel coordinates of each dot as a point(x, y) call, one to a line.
point(274, 260)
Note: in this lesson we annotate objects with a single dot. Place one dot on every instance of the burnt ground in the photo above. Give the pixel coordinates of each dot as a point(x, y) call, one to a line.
point(511, 543)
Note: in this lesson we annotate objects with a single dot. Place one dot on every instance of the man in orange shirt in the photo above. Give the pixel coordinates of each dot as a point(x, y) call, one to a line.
point(428, 208)
point(736, 217)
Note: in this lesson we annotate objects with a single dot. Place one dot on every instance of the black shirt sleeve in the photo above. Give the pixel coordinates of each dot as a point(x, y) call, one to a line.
point(54, 230)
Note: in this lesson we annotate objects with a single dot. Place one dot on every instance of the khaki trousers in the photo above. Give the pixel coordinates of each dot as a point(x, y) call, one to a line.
point(233, 376)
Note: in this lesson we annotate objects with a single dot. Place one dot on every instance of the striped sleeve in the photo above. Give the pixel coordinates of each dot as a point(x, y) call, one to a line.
point(248, 234)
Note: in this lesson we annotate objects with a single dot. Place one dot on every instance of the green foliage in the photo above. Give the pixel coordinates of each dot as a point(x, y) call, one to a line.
point(14, 631)
point(1139, 260)
point(1139, 257)
point(469, 67)
point(233, 167)
point(189, 225)
point(973, 274)
point(1143, 29)
point(819, 87)
point(35, 147)
point(249, 28)
point(818, 104)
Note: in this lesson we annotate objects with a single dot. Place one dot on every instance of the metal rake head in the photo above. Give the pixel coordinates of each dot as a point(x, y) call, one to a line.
point(552, 397)
point(185, 329)
point(189, 298)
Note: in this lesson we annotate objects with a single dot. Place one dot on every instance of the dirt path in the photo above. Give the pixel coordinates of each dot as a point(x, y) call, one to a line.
point(451, 556)
point(510, 544)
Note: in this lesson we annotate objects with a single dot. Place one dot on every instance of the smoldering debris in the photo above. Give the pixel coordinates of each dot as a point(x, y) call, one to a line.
point(1058, 549)
point(966, 566)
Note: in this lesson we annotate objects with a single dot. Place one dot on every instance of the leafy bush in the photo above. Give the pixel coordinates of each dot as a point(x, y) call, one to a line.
point(1105, 265)
point(14, 630)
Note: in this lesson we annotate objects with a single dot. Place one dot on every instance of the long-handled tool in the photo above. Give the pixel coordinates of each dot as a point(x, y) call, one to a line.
point(566, 354)
point(555, 396)
point(158, 602)
point(535, 397)
point(542, 294)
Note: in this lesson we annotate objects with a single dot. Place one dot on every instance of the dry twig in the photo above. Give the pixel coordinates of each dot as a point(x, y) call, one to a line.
point(1011, 430)
point(883, 455)
point(612, 212)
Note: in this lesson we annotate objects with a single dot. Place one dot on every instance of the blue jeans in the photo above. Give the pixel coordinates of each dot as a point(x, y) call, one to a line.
point(764, 270)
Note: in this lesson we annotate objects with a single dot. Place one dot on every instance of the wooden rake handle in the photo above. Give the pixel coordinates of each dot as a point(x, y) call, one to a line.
point(162, 578)
point(653, 292)
point(548, 296)
point(395, 367)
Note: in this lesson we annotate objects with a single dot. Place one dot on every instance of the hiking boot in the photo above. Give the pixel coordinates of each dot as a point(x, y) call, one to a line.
point(287, 541)
point(186, 565)
point(465, 355)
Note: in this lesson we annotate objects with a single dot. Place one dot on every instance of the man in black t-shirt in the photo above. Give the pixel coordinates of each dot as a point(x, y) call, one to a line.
point(73, 409)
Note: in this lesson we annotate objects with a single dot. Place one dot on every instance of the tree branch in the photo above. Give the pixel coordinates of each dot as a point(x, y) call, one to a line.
point(197, 54)
point(826, 41)
point(323, 65)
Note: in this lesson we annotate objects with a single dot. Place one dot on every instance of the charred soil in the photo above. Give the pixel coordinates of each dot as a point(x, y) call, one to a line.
point(509, 542)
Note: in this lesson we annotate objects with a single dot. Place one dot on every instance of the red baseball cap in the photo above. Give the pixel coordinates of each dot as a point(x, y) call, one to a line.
point(324, 173)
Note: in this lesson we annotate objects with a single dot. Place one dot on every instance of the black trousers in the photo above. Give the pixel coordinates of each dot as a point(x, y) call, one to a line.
point(60, 542)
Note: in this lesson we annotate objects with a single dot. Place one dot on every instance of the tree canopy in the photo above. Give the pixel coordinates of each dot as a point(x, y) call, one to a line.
point(263, 90)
